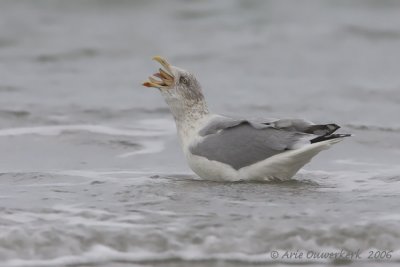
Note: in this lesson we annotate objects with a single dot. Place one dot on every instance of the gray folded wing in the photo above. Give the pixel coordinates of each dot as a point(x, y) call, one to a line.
point(240, 143)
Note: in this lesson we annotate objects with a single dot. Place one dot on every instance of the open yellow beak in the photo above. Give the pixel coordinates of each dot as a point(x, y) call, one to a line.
point(166, 78)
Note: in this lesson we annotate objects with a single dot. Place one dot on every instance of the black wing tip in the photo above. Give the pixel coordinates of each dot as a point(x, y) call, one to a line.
point(322, 129)
point(328, 137)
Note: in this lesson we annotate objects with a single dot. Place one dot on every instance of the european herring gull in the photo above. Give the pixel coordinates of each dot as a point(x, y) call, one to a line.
point(227, 149)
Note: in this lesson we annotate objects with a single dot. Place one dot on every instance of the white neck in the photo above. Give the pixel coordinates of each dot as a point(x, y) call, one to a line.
point(188, 117)
point(188, 121)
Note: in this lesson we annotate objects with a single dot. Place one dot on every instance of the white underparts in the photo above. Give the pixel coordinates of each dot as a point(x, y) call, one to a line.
point(282, 166)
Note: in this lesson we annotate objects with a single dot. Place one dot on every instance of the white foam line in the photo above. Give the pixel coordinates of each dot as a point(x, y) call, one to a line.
point(349, 180)
point(58, 129)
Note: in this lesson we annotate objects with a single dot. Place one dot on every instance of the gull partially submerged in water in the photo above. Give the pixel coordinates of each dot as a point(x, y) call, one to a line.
point(228, 149)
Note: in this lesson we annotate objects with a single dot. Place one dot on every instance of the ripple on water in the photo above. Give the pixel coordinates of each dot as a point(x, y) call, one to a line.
point(141, 217)
point(79, 236)
point(14, 113)
point(83, 53)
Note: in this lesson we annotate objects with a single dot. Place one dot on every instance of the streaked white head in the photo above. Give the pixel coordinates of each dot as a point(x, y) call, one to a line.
point(180, 89)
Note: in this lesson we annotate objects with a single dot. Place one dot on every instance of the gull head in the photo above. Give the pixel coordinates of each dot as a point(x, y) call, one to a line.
point(180, 89)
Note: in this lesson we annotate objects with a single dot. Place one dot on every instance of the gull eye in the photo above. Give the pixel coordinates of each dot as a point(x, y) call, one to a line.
point(183, 80)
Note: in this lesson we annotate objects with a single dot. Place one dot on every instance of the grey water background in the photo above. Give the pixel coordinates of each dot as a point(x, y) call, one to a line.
point(91, 173)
